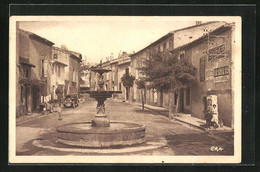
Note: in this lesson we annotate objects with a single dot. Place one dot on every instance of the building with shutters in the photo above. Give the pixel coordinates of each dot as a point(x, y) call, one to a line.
point(212, 54)
point(65, 71)
point(33, 71)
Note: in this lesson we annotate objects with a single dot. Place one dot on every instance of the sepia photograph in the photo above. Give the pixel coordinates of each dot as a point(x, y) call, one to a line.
point(125, 89)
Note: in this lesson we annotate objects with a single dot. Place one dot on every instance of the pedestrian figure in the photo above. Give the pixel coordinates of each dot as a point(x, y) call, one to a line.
point(214, 119)
point(59, 111)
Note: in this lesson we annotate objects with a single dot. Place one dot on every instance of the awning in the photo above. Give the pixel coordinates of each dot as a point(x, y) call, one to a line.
point(32, 82)
point(60, 63)
point(25, 61)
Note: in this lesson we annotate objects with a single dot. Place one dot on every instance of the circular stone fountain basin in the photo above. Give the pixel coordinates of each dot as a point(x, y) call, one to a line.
point(118, 134)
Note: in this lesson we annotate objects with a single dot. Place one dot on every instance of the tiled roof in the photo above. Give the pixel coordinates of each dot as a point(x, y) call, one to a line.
point(33, 35)
point(186, 35)
point(203, 36)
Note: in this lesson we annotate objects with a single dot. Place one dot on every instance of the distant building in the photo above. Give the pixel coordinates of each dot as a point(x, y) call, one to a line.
point(65, 71)
point(74, 67)
point(118, 66)
point(60, 70)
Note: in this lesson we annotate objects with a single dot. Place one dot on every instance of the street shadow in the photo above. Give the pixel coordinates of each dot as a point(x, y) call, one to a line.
point(199, 144)
point(144, 111)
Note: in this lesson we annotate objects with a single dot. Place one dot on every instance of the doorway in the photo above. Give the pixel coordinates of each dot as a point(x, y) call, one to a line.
point(35, 96)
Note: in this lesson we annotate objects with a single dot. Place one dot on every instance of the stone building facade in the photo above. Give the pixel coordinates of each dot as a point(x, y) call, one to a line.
point(170, 41)
point(34, 64)
point(212, 56)
point(60, 71)
point(74, 67)
point(41, 69)
point(65, 71)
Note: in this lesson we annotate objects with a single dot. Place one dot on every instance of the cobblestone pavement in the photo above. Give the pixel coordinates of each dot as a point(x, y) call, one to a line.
point(181, 139)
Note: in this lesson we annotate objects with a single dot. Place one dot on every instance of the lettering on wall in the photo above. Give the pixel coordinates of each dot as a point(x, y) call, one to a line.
point(217, 52)
point(222, 74)
point(209, 74)
point(221, 71)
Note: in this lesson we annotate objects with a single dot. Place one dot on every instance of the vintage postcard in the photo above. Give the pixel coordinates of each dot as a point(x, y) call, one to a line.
point(125, 89)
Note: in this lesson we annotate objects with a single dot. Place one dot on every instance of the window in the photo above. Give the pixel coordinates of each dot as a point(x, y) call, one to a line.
point(73, 75)
point(188, 96)
point(164, 46)
point(202, 69)
point(52, 68)
point(42, 68)
point(127, 71)
point(27, 73)
point(159, 49)
point(182, 55)
point(170, 44)
point(120, 86)
point(58, 70)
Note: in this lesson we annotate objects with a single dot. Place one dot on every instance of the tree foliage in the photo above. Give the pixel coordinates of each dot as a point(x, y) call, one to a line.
point(128, 80)
point(164, 71)
point(140, 83)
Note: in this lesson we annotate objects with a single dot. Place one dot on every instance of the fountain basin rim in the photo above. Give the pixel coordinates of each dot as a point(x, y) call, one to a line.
point(103, 92)
point(101, 130)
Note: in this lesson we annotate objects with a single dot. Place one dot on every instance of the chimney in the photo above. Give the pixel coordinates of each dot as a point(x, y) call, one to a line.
point(63, 47)
point(111, 56)
point(198, 22)
point(124, 53)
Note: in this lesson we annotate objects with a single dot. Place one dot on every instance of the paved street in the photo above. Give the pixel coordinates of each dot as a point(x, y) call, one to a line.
point(182, 139)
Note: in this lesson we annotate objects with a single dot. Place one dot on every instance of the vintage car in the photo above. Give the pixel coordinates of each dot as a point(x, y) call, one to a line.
point(71, 100)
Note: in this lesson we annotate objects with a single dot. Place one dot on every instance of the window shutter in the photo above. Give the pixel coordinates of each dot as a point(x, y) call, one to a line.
point(45, 66)
point(202, 69)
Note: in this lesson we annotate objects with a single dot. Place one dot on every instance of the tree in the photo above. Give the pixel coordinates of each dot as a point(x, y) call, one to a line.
point(128, 81)
point(165, 72)
point(141, 85)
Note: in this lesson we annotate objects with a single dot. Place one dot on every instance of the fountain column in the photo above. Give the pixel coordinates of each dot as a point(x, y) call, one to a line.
point(100, 119)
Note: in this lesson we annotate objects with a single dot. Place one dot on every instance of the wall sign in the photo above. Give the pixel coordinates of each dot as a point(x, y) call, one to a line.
point(221, 74)
point(217, 52)
point(221, 71)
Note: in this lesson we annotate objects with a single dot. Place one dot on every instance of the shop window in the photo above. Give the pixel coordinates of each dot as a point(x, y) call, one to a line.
point(202, 69)
point(188, 96)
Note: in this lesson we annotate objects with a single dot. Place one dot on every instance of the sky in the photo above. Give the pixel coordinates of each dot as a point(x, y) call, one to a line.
point(97, 37)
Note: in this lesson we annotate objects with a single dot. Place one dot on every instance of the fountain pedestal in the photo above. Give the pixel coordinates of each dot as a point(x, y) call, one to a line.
point(100, 121)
